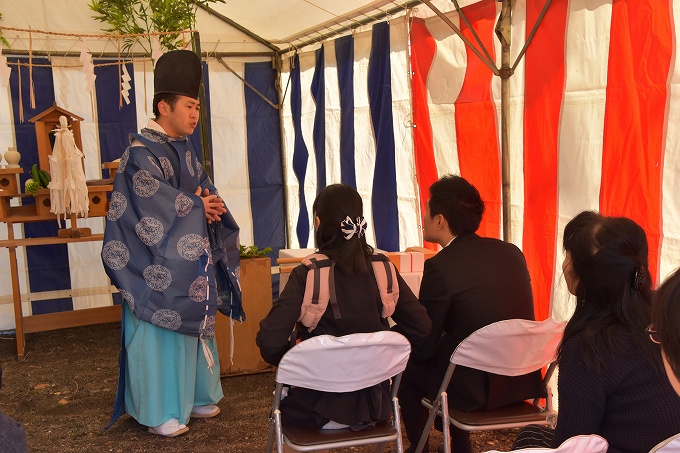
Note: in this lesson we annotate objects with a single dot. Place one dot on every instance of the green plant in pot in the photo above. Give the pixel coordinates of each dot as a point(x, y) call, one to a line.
point(252, 251)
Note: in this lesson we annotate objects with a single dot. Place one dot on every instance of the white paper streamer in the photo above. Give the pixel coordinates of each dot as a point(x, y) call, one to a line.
point(64, 85)
point(125, 84)
point(88, 66)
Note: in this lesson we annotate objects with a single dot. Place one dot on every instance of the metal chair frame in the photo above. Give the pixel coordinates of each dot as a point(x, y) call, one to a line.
point(480, 350)
point(372, 359)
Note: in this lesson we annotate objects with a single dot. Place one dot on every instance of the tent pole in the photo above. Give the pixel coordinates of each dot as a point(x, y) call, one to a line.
point(277, 62)
point(237, 26)
point(489, 63)
point(203, 114)
point(503, 32)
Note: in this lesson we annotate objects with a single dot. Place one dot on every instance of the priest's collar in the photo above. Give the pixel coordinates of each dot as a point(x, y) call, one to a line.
point(154, 131)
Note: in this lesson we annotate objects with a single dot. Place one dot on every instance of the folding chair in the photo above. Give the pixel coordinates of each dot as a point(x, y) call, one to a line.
point(670, 445)
point(511, 348)
point(340, 364)
point(585, 443)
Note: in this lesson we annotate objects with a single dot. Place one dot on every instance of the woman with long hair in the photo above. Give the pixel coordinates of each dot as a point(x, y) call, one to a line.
point(340, 236)
point(665, 328)
point(611, 379)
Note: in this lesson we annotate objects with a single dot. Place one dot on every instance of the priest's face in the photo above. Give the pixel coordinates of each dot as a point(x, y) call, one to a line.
point(180, 119)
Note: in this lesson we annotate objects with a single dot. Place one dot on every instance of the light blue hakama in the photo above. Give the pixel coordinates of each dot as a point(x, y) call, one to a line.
point(166, 373)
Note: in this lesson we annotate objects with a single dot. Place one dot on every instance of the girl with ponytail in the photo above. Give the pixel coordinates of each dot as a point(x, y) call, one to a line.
point(356, 307)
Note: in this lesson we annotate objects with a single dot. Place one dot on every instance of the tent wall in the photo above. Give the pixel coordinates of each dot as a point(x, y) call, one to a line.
point(593, 108)
point(593, 105)
point(592, 113)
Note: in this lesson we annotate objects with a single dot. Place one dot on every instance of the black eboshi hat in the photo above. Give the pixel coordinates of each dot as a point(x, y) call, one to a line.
point(178, 72)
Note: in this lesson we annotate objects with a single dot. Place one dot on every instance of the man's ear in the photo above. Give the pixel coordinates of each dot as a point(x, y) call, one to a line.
point(163, 108)
point(443, 223)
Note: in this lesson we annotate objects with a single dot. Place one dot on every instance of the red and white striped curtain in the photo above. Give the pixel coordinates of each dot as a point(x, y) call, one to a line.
point(593, 108)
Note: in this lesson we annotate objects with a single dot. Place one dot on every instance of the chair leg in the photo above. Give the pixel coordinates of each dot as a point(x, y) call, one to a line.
point(445, 422)
point(270, 438)
point(436, 404)
point(397, 423)
point(279, 433)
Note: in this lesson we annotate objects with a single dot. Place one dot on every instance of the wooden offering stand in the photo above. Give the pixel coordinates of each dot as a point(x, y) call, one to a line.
point(12, 213)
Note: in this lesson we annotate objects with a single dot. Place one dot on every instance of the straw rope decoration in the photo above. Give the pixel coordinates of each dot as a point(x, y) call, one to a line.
point(121, 60)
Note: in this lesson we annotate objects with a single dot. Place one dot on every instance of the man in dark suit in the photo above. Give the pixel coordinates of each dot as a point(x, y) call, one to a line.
point(472, 282)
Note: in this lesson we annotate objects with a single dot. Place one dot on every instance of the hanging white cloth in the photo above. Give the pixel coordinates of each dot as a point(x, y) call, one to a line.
point(68, 188)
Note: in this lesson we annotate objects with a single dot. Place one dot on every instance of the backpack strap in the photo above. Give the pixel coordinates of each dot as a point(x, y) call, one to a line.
point(386, 275)
point(320, 287)
point(318, 290)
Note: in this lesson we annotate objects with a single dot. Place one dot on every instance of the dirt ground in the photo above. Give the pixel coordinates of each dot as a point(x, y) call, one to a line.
point(63, 392)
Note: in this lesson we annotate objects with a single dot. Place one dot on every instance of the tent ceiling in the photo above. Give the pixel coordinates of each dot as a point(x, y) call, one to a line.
point(284, 22)
point(281, 22)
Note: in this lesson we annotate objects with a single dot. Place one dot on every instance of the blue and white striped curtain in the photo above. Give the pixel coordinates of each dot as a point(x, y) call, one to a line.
point(347, 119)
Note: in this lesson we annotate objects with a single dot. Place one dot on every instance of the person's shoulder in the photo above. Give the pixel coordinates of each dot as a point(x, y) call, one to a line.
point(474, 241)
point(498, 246)
point(495, 242)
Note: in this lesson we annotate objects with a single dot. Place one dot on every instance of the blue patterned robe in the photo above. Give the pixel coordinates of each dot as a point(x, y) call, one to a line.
point(171, 266)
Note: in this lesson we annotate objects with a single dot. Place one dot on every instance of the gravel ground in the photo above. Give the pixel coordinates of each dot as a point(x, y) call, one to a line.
point(63, 392)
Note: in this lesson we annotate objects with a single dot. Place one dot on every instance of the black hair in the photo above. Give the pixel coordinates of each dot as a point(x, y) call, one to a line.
point(171, 100)
point(459, 202)
point(332, 205)
point(666, 319)
point(613, 293)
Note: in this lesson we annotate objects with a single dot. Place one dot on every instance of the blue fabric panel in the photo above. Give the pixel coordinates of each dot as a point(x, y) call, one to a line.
point(48, 268)
point(384, 197)
point(344, 55)
point(300, 153)
point(115, 123)
point(196, 136)
point(318, 89)
point(263, 130)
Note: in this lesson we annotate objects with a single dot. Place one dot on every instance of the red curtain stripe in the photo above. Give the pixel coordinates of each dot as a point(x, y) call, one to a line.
point(640, 53)
point(475, 116)
point(543, 95)
point(423, 48)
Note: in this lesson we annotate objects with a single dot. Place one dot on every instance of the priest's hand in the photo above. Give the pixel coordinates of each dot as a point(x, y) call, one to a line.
point(213, 204)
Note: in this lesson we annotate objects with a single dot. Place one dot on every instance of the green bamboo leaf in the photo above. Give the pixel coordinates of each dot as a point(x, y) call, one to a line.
point(148, 17)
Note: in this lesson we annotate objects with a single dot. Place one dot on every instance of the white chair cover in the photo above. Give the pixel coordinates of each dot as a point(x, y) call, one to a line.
point(527, 345)
point(322, 362)
point(591, 443)
point(670, 445)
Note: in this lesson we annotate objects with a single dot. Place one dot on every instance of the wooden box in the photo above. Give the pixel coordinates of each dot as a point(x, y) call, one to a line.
point(42, 202)
point(98, 203)
point(256, 284)
point(401, 260)
point(8, 181)
point(425, 251)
